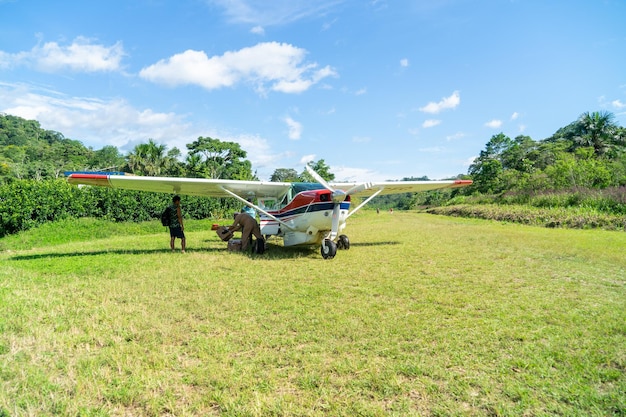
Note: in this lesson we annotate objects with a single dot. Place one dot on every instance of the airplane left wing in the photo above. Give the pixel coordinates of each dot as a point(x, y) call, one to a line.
point(184, 186)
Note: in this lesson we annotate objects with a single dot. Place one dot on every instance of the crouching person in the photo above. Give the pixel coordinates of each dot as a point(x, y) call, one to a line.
point(248, 227)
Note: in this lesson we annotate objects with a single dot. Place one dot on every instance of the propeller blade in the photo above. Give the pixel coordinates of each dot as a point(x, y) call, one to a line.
point(359, 187)
point(319, 178)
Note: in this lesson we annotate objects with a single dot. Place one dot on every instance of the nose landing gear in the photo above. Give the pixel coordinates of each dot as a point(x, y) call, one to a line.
point(329, 249)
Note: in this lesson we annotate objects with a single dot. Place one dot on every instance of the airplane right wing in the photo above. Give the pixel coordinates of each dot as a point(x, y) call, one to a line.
point(399, 187)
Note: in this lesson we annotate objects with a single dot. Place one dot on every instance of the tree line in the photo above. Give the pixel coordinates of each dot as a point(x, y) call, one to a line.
point(583, 161)
point(589, 153)
point(33, 190)
point(29, 152)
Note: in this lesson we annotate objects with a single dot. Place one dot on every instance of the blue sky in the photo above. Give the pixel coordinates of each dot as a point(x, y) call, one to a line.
point(379, 89)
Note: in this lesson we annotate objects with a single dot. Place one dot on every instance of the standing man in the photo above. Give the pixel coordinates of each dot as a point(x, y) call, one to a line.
point(249, 226)
point(177, 229)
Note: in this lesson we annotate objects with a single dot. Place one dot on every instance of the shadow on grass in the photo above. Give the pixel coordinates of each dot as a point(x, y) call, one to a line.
point(365, 244)
point(272, 251)
point(105, 252)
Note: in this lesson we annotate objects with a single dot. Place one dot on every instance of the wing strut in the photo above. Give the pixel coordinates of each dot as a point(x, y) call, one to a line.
point(357, 208)
point(254, 206)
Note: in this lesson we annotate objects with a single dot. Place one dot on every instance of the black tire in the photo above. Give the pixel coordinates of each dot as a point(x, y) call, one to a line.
point(343, 242)
point(329, 250)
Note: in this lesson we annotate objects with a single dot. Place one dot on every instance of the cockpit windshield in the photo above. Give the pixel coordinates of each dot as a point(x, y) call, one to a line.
point(298, 187)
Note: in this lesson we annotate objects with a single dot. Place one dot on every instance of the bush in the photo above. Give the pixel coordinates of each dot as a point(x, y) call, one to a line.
point(26, 204)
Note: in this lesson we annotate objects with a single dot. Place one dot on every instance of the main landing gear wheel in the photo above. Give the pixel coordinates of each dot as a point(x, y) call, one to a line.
point(329, 249)
point(343, 242)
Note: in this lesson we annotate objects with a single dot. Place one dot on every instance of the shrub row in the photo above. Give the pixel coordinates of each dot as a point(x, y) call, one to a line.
point(28, 203)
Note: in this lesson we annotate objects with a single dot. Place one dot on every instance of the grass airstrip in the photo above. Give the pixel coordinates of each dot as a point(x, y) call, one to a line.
point(423, 316)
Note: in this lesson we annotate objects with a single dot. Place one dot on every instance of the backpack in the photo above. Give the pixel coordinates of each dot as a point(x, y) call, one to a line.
point(166, 216)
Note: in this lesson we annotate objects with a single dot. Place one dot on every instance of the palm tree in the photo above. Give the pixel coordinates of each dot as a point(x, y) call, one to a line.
point(147, 158)
point(597, 130)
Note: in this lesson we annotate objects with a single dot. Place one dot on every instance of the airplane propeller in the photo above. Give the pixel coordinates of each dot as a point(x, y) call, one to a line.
point(338, 196)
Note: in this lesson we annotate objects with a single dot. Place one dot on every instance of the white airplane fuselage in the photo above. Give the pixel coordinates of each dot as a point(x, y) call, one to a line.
point(306, 220)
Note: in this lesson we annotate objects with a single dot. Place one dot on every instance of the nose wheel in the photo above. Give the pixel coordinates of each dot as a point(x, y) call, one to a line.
point(329, 249)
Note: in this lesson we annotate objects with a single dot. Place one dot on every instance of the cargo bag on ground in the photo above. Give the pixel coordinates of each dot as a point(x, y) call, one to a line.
point(224, 233)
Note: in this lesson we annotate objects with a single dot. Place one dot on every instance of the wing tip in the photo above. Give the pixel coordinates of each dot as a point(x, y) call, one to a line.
point(101, 180)
point(461, 183)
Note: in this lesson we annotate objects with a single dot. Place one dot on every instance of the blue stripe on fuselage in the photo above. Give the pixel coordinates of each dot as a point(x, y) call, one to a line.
point(310, 208)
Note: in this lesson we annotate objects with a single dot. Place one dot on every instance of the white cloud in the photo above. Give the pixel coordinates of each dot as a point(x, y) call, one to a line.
point(514, 116)
point(618, 104)
point(94, 122)
point(431, 123)
point(258, 151)
point(276, 12)
point(258, 30)
point(469, 161)
point(350, 174)
point(97, 123)
point(360, 92)
point(404, 62)
point(81, 56)
point(307, 158)
point(326, 26)
point(494, 124)
point(446, 103)
point(432, 149)
point(278, 66)
point(456, 136)
point(295, 128)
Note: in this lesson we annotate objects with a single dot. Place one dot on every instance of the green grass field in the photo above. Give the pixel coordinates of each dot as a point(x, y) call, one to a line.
point(423, 316)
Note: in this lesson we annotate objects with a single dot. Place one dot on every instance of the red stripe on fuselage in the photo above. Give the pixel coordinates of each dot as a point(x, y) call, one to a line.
point(306, 198)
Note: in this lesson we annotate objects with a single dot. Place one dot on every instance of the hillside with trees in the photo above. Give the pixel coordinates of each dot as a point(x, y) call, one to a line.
point(581, 165)
point(589, 153)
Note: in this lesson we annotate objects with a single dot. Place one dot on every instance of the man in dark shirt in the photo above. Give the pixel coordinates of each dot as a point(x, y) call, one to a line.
point(177, 229)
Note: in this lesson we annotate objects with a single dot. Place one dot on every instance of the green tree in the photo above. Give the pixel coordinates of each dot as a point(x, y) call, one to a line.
point(520, 154)
point(173, 165)
point(108, 158)
point(321, 168)
point(147, 159)
point(194, 166)
point(488, 168)
point(212, 158)
point(285, 175)
point(67, 155)
point(597, 130)
point(488, 177)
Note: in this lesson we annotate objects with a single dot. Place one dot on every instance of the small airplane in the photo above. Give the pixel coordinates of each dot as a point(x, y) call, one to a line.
point(299, 213)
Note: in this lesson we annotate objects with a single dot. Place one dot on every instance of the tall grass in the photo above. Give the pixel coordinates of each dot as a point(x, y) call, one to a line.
point(424, 315)
point(550, 216)
point(609, 201)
